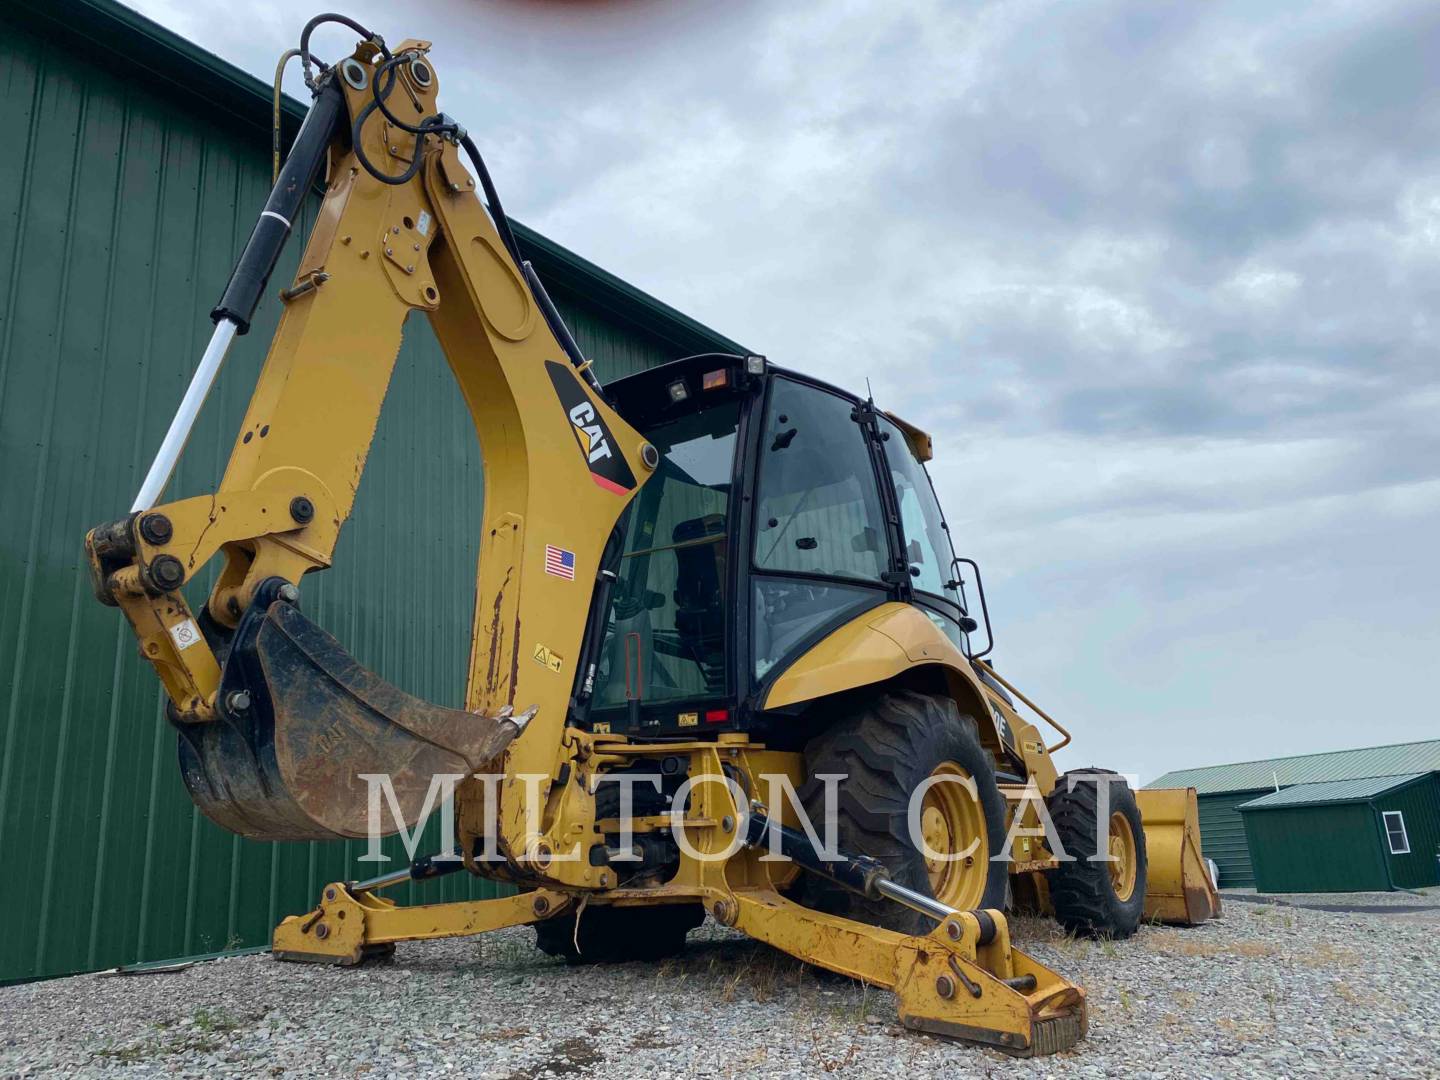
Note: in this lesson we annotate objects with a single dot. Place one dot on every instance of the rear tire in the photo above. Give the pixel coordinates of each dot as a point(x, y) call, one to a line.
point(886, 746)
point(617, 935)
point(1103, 899)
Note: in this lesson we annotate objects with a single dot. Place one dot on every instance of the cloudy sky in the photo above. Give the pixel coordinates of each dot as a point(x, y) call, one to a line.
point(1163, 280)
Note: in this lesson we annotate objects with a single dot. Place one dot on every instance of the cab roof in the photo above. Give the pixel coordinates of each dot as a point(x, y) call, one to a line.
point(636, 385)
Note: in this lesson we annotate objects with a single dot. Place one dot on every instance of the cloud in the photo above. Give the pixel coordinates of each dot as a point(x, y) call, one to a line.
point(1160, 278)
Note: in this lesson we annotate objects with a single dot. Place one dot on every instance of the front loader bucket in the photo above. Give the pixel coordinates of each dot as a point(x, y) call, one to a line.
point(302, 724)
point(1180, 891)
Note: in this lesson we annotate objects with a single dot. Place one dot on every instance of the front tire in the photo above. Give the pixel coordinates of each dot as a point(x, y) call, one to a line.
point(886, 746)
point(1095, 898)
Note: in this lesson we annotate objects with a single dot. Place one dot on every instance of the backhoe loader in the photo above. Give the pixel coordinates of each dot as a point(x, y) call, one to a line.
point(717, 615)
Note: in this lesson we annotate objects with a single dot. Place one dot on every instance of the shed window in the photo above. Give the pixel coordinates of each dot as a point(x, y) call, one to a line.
point(1395, 832)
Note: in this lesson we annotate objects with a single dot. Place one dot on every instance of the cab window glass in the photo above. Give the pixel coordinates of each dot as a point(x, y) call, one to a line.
point(818, 509)
point(949, 627)
point(927, 546)
point(789, 613)
point(665, 632)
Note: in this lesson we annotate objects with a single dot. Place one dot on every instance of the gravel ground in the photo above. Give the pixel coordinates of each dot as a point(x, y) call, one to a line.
point(1418, 898)
point(1266, 991)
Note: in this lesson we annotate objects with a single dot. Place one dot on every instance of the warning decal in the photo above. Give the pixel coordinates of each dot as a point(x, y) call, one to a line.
point(185, 634)
point(542, 655)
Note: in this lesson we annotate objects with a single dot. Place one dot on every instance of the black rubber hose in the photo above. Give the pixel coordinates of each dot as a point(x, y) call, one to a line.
point(425, 127)
point(331, 17)
point(430, 126)
point(374, 170)
point(502, 223)
point(387, 72)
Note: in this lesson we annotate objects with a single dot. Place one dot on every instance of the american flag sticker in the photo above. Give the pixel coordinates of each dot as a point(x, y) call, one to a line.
point(560, 562)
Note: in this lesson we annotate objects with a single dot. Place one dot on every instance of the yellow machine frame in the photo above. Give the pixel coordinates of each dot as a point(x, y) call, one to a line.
point(377, 254)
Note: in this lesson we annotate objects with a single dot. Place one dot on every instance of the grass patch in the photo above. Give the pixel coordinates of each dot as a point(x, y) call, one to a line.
point(214, 1020)
point(1170, 943)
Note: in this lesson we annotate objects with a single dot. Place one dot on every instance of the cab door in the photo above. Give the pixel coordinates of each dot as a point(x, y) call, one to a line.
point(824, 546)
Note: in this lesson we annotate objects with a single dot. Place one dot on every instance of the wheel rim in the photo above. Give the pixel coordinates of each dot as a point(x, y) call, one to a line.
point(951, 821)
point(1122, 856)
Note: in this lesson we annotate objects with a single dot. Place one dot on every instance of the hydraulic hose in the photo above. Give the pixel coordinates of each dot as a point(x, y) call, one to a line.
point(332, 17)
point(285, 58)
point(492, 198)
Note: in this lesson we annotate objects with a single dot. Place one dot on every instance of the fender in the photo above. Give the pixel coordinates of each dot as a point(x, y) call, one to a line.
point(875, 647)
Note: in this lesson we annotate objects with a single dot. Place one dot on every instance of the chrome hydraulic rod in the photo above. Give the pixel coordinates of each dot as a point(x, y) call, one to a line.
point(855, 872)
point(428, 866)
point(383, 881)
point(184, 420)
point(926, 905)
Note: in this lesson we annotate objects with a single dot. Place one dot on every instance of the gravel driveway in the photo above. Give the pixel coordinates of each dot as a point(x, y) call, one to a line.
point(1265, 991)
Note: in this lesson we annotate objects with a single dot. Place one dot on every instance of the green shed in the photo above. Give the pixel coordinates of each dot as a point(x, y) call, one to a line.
point(1222, 789)
point(135, 166)
point(1367, 835)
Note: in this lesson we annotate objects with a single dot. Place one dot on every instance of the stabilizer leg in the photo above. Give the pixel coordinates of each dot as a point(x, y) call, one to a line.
point(964, 980)
point(351, 925)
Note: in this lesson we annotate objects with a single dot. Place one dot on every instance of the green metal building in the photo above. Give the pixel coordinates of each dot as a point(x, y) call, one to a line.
point(135, 166)
point(1372, 834)
point(1221, 790)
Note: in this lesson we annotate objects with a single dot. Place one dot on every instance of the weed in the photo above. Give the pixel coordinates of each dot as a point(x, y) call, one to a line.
point(217, 1021)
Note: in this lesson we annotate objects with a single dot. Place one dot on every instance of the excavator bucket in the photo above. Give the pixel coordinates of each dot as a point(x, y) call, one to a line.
point(302, 725)
point(1180, 891)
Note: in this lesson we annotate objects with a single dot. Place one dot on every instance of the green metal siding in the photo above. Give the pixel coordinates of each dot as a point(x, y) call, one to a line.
point(1396, 759)
point(1222, 837)
point(1420, 804)
point(122, 207)
point(1330, 848)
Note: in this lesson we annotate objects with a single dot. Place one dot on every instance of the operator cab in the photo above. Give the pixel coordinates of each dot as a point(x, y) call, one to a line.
point(781, 509)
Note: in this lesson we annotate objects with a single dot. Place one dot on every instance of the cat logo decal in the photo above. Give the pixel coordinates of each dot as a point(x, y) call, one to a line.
point(592, 436)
